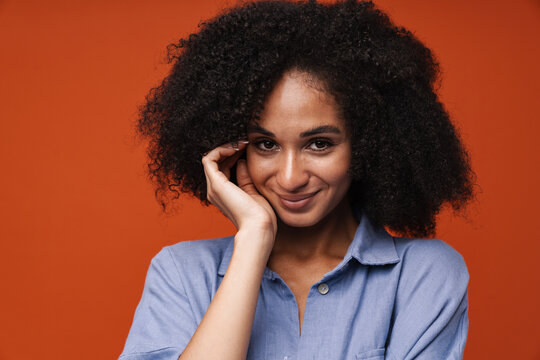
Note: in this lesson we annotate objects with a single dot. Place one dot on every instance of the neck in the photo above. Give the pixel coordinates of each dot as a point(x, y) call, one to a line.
point(330, 237)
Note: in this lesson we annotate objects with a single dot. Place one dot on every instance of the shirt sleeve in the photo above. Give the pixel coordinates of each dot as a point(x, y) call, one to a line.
point(163, 323)
point(430, 315)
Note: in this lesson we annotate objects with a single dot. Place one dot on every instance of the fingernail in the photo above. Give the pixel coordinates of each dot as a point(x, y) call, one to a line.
point(235, 145)
point(243, 141)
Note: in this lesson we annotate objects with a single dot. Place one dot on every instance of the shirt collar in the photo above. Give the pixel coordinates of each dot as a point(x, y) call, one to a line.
point(371, 246)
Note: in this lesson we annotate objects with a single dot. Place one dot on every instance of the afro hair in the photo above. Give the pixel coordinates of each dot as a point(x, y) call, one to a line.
point(407, 158)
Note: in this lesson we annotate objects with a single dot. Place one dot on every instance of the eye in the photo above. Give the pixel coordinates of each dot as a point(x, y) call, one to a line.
point(320, 145)
point(265, 145)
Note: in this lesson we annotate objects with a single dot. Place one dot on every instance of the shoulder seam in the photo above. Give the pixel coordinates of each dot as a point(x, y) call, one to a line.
point(178, 272)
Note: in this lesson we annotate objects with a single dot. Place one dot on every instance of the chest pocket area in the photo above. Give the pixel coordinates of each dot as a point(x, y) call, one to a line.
point(377, 354)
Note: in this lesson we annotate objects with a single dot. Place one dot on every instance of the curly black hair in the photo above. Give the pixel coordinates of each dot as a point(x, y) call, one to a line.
point(408, 160)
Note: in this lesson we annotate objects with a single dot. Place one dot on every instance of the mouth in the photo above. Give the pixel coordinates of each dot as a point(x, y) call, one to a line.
point(297, 201)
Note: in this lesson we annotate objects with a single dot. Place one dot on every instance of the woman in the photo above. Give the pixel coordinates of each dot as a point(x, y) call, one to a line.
point(312, 128)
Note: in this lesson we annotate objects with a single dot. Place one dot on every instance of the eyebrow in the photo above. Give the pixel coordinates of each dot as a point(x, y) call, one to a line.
point(315, 131)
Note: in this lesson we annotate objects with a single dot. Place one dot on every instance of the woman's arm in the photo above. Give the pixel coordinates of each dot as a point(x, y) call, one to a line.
point(225, 329)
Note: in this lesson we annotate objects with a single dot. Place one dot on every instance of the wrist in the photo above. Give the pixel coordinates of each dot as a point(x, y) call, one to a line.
point(257, 238)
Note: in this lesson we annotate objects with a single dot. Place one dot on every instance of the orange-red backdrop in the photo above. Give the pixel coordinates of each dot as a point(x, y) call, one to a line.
point(79, 223)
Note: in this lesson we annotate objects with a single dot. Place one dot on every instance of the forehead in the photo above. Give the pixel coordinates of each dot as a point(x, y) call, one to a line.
point(299, 101)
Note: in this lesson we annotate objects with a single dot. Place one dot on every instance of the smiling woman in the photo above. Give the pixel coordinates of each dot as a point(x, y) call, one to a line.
point(312, 127)
point(300, 153)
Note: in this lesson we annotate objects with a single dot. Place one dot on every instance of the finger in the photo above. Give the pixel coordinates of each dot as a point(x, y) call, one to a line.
point(243, 178)
point(224, 151)
point(226, 165)
point(218, 154)
point(213, 160)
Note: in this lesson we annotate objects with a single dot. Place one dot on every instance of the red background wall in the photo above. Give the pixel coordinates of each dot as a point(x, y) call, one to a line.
point(79, 223)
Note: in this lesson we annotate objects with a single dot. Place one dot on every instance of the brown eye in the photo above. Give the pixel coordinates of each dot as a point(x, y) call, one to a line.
point(320, 145)
point(266, 145)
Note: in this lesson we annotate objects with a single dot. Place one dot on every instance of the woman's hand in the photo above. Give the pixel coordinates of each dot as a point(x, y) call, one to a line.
point(242, 204)
point(233, 307)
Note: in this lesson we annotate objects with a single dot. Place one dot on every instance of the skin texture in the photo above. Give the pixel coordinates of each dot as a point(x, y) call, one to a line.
point(303, 177)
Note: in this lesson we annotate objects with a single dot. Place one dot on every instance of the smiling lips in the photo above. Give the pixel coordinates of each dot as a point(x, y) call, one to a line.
point(296, 202)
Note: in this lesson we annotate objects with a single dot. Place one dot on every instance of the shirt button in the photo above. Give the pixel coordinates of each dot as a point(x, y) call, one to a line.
point(323, 288)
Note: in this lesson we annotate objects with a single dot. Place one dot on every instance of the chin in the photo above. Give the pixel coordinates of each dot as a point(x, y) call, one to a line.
point(299, 219)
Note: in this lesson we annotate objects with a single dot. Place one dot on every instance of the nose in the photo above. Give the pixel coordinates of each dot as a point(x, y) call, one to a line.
point(292, 174)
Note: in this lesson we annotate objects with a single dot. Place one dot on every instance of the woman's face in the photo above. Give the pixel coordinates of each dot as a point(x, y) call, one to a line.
point(300, 152)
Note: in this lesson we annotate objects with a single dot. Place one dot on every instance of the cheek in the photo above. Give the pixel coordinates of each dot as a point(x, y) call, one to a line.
point(334, 170)
point(257, 168)
point(336, 176)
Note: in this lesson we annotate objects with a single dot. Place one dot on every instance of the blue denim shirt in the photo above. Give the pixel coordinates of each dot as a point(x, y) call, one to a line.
point(389, 298)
